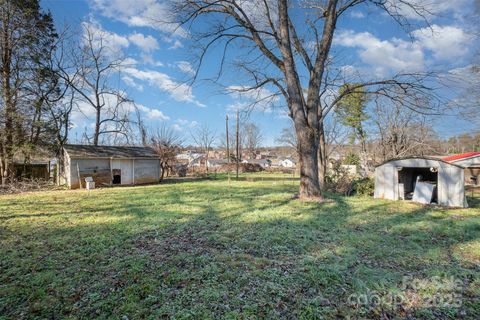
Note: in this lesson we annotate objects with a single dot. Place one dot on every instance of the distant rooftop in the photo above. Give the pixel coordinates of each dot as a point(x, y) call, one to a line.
point(461, 156)
point(88, 151)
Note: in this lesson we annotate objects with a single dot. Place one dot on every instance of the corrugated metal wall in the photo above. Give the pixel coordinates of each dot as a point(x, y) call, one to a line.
point(147, 171)
point(99, 169)
point(133, 171)
point(450, 188)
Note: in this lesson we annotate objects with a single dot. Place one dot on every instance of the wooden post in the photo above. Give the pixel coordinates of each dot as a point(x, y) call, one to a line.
point(133, 171)
point(237, 146)
point(111, 172)
point(79, 178)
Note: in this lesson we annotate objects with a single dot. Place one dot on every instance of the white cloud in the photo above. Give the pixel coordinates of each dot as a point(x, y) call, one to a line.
point(186, 67)
point(129, 62)
point(258, 94)
point(429, 8)
point(445, 42)
point(140, 13)
point(174, 43)
point(384, 55)
point(112, 42)
point(145, 43)
point(131, 83)
point(349, 70)
point(182, 124)
point(148, 59)
point(178, 91)
point(177, 127)
point(260, 98)
point(84, 114)
point(239, 106)
point(152, 113)
point(357, 14)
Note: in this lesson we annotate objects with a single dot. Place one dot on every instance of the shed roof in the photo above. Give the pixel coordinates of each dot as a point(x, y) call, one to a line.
point(461, 156)
point(429, 158)
point(88, 151)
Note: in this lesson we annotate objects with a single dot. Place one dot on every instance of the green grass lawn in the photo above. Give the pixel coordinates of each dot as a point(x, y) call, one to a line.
point(210, 249)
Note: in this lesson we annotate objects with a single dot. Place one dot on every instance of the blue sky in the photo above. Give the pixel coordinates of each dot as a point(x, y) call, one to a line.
point(366, 40)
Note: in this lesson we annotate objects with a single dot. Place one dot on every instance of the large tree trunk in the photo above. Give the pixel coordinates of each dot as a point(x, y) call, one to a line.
point(304, 117)
point(162, 173)
point(307, 155)
point(322, 157)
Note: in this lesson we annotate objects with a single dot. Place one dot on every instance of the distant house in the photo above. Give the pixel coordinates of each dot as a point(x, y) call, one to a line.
point(192, 159)
point(288, 163)
point(470, 161)
point(110, 165)
point(216, 163)
point(276, 162)
point(264, 163)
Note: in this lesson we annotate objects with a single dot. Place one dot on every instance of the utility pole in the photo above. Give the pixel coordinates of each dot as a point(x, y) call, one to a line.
point(228, 146)
point(237, 146)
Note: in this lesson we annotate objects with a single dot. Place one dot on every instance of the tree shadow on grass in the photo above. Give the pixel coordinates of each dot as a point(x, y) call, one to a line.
point(234, 252)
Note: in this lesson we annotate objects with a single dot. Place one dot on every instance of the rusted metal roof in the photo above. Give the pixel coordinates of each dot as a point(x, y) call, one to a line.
point(461, 156)
point(88, 151)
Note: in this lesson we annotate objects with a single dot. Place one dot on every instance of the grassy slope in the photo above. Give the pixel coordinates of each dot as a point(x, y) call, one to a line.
point(207, 249)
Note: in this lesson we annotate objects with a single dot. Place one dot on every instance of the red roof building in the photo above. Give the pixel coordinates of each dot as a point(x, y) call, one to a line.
point(461, 156)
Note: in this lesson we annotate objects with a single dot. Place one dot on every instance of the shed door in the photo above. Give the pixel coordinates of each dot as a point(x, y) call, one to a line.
point(126, 170)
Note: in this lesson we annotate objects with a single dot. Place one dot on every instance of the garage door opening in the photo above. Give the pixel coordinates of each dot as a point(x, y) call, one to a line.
point(409, 177)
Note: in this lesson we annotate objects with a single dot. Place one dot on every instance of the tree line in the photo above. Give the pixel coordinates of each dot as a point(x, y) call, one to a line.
point(48, 75)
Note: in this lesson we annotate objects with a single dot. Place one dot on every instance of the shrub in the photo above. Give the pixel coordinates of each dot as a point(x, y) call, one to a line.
point(352, 159)
point(339, 180)
point(364, 187)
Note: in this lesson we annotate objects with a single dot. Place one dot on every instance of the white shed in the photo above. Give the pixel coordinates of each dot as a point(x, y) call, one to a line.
point(110, 165)
point(396, 179)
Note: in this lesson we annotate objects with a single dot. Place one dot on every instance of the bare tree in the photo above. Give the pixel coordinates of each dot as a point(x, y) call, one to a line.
point(283, 55)
point(253, 138)
point(401, 132)
point(91, 75)
point(288, 138)
point(204, 137)
point(167, 144)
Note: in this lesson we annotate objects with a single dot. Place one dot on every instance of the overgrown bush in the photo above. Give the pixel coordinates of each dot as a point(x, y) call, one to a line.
point(242, 168)
point(352, 159)
point(339, 180)
point(26, 185)
point(364, 187)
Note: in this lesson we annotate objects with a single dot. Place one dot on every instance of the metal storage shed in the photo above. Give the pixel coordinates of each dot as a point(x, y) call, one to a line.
point(447, 177)
point(110, 165)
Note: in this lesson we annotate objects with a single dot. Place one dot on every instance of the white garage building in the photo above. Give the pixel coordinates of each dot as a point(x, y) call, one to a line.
point(110, 165)
point(396, 179)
